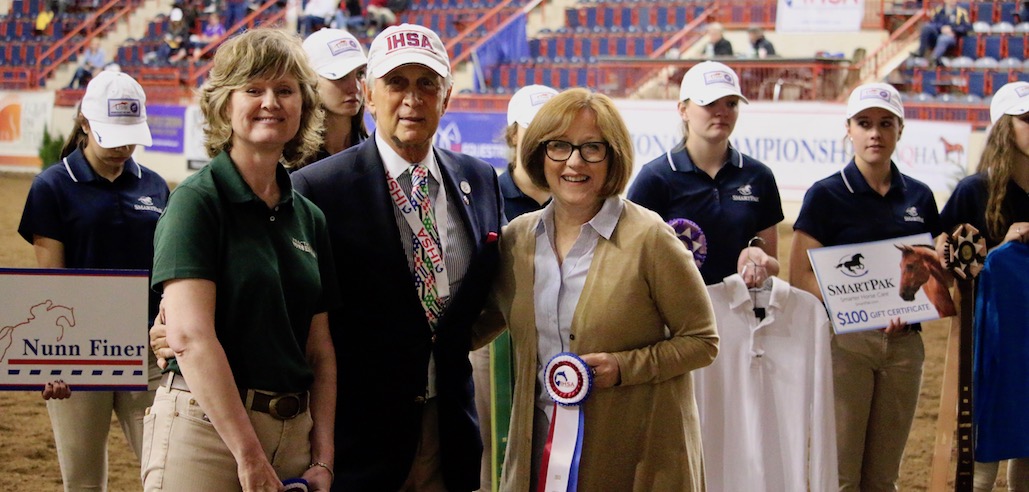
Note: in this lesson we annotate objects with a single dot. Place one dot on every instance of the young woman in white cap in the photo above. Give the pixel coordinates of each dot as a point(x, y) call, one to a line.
point(97, 208)
point(730, 196)
point(995, 200)
point(877, 373)
point(340, 62)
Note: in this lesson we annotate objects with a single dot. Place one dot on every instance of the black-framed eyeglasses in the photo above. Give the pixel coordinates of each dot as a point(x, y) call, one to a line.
point(560, 151)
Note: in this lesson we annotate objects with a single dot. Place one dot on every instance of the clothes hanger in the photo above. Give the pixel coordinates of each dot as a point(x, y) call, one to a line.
point(759, 312)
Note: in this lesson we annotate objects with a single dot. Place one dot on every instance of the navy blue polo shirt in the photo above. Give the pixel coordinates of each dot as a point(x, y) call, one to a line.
point(741, 200)
point(967, 205)
point(102, 224)
point(515, 202)
point(844, 209)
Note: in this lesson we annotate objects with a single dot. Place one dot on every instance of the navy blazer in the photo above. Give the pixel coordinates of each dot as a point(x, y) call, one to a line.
point(381, 335)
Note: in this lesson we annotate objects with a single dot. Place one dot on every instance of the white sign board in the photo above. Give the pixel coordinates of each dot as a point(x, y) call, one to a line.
point(819, 15)
point(86, 327)
point(865, 285)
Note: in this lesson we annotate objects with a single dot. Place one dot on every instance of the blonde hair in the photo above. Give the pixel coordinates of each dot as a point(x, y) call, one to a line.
point(996, 164)
point(558, 115)
point(263, 53)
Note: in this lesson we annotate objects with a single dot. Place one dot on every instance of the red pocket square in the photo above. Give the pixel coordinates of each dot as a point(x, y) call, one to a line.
point(491, 238)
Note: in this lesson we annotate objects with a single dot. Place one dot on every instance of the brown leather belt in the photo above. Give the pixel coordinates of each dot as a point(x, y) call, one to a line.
point(282, 406)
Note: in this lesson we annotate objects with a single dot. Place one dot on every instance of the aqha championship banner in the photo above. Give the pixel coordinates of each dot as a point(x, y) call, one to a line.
point(86, 327)
point(819, 15)
point(803, 142)
point(23, 116)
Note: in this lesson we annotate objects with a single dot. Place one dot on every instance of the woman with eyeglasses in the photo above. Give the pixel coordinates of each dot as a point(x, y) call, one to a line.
point(607, 278)
point(730, 196)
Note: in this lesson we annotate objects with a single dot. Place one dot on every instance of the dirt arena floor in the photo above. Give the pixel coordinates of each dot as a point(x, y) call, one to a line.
point(28, 459)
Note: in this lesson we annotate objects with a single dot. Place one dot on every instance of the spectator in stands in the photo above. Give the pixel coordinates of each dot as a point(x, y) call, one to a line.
point(339, 60)
point(235, 12)
point(93, 59)
point(175, 45)
point(877, 373)
point(383, 13)
point(717, 45)
point(250, 396)
point(213, 31)
point(947, 23)
point(759, 45)
point(46, 15)
point(1023, 13)
point(98, 210)
point(317, 14)
point(995, 201)
point(700, 179)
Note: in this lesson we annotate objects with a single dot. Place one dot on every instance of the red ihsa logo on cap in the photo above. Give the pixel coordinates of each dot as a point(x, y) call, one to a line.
point(408, 39)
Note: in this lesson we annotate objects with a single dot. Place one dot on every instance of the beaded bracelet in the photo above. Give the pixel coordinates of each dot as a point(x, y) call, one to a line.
point(332, 475)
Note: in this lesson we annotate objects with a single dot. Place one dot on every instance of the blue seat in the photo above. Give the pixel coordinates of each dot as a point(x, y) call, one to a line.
point(1016, 47)
point(928, 82)
point(977, 83)
point(1007, 11)
point(983, 11)
point(999, 79)
point(993, 46)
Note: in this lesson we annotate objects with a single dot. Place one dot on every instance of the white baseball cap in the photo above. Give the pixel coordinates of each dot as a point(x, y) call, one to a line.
point(115, 106)
point(709, 81)
point(334, 53)
point(407, 43)
point(1010, 99)
point(176, 14)
point(875, 95)
point(526, 103)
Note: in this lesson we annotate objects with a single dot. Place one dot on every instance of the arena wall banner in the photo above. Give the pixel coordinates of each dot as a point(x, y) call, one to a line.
point(86, 327)
point(476, 134)
point(23, 116)
point(819, 15)
point(805, 142)
point(167, 127)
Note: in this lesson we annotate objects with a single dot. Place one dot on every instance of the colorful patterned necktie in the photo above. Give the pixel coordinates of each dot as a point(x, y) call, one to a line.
point(425, 248)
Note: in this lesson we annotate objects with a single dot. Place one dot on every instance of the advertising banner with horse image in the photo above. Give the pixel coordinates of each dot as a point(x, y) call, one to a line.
point(865, 285)
point(85, 327)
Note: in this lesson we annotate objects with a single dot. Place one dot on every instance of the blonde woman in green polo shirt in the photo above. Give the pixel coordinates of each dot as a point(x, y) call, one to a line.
point(247, 276)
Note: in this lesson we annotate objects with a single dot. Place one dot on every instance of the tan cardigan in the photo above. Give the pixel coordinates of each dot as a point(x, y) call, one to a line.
point(642, 435)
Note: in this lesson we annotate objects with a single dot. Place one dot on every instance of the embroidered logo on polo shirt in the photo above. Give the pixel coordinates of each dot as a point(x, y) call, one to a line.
point(304, 246)
point(746, 194)
point(911, 215)
point(147, 203)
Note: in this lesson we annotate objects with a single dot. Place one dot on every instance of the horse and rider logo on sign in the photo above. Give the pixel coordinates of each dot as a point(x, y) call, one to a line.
point(866, 285)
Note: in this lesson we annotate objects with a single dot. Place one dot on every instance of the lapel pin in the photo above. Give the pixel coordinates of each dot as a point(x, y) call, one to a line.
point(466, 188)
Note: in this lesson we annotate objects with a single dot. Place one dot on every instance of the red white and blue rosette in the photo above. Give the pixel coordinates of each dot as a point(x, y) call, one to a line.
point(569, 381)
point(693, 237)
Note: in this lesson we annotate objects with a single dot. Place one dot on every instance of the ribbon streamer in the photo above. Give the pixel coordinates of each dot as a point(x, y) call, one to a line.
point(569, 381)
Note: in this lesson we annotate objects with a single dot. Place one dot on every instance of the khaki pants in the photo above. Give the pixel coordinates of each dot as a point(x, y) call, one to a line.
point(81, 425)
point(483, 398)
point(986, 475)
point(426, 473)
point(183, 452)
point(877, 379)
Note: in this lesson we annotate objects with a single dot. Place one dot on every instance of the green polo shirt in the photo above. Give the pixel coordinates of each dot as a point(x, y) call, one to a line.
point(272, 267)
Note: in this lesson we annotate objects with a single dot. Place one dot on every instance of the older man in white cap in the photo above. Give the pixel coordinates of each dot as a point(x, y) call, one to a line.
point(414, 230)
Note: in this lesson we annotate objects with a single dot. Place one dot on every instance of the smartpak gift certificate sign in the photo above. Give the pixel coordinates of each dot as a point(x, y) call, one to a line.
point(866, 285)
point(86, 327)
